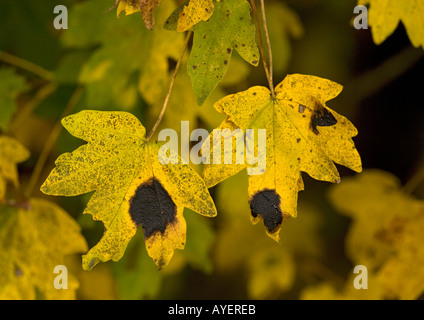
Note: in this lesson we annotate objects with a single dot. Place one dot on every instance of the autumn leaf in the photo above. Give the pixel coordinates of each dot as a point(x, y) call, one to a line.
point(132, 187)
point(386, 231)
point(302, 134)
point(11, 153)
point(230, 27)
point(32, 242)
point(385, 16)
point(147, 8)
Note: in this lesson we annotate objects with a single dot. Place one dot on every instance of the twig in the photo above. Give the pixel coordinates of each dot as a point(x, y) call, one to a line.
point(270, 79)
point(51, 141)
point(261, 48)
point(171, 85)
point(26, 65)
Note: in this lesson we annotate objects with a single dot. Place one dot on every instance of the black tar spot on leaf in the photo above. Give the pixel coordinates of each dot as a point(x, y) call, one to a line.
point(152, 207)
point(267, 204)
point(323, 118)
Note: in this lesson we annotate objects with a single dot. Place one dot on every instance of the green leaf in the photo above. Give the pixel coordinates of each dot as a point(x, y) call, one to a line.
point(11, 85)
point(230, 27)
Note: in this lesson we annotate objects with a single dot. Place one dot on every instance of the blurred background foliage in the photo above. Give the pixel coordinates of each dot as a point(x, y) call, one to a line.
point(105, 63)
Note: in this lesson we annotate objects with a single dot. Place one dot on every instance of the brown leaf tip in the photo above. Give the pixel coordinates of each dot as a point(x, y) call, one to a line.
point(152, 207)
point(267, 204)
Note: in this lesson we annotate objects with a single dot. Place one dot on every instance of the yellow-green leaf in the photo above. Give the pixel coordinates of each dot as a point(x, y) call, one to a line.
point(230, 28)
point(33, 242)
point(385, 16)
point(302, 134)
point(11, 153)
point(132, 186)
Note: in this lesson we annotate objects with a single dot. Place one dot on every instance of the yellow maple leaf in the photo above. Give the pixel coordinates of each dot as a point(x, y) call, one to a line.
point(11, 153)
point(302, 134)
point(32, 242)
point(386, 234)
point(147, 8)
point(385, 16)
point(132, 186)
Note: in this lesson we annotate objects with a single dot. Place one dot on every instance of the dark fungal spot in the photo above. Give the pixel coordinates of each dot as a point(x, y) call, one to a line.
point(194, 67)
point(325, 119)
point(321, 117)
point(152, 207)
point(267, 204)
point(228, 50)
point(225, 62)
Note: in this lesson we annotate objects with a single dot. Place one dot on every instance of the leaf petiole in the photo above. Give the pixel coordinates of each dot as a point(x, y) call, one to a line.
point(268, 70)
point(270, 80)
point(171, 85)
